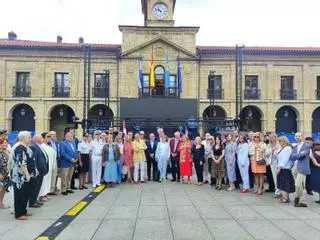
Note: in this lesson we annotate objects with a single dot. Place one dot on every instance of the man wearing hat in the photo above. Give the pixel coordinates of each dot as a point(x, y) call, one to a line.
point(96, 156)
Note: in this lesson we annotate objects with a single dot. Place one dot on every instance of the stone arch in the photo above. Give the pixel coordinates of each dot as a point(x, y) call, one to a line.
point(316, 121)
point(251, 118)
point(215, 112)
point(287, 119)
point(61, 118)
point(100, 117)
point(22, 117)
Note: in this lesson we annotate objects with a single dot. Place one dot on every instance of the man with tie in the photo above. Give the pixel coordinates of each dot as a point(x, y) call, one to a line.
point(68, 158)
point(42, 166)
point(151, 161)
point(175, 156)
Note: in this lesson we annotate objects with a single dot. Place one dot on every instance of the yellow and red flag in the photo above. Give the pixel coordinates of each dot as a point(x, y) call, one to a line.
point(152, 76)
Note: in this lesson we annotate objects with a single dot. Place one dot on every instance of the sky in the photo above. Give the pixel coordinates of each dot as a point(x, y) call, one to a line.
point(221, 22)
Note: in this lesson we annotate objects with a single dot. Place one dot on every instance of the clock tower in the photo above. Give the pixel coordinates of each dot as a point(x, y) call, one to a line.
point(158, 13)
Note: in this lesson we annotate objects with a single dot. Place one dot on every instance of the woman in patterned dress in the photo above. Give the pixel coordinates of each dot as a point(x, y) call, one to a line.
point(128, 158)
point(4, 170)
point(218, 166)
point(185, 158)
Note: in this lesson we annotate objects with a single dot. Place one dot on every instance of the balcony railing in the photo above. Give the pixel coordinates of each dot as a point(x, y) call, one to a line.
point(252, 93)
point(24, 91)
point(159, 92)
point(61, 92)
point(215, 93)
point(288, 94)
point(100, 92)
point(318, 94)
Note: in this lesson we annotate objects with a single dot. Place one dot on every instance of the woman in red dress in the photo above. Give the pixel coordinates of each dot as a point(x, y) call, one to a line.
point(185, 158)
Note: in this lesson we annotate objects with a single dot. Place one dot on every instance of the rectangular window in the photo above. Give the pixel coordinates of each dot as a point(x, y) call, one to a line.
point(62, 81)
point(61, 85)
point(251, 82)
point(287, 91)
point(99, 80)
point(23, 79)
point(251, 87)
point(100, 89)
point(173, 85)
point(215, 83)
point(287, 82)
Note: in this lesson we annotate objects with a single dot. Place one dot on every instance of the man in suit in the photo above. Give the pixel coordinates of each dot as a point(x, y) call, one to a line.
point(175, 156)
point(310, 141)
point(151, 160)
point(42, 166)
point(68, 158)
point(54, 177)
point(300, 155)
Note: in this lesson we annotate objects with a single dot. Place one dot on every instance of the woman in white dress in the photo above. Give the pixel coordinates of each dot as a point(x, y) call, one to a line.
point(163, 157)
point(52, 156)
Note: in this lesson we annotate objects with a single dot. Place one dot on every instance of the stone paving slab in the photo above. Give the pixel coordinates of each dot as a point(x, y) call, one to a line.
point(170, 211)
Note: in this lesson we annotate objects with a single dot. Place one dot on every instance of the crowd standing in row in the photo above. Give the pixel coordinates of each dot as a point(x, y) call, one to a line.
point(236, 160)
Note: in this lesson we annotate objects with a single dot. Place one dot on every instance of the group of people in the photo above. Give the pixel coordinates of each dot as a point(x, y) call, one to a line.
point(240, 161)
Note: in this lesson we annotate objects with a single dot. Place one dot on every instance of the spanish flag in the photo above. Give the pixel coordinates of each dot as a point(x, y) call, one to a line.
point(152, 77)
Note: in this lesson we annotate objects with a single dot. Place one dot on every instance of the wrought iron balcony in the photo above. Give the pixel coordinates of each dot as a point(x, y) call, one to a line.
point(215, 93)
point(318, 94)
point(100, 92)
point(288, 94)
point(159, 92)
point(24, 91)
point(252, 93)
point(60, 92)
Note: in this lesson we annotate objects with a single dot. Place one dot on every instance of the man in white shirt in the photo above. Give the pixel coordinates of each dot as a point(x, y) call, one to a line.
point(96, 154)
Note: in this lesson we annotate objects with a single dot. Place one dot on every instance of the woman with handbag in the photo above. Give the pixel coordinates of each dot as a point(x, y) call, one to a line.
point(257, 154)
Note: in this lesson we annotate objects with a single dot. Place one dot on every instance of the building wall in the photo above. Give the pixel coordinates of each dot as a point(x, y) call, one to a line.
point(124, 80)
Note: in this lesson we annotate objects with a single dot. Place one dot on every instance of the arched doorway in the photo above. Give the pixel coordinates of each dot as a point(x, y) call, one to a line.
point(212, 113)
point(61, 118)
point(316, 123)
point(23, 118)
point(100, 117)
point(286, 120)
point(250, 117)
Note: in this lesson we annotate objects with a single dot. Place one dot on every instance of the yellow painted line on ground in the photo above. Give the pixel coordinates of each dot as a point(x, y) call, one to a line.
point(76, 209)
point(100, 188)
point(42, 238)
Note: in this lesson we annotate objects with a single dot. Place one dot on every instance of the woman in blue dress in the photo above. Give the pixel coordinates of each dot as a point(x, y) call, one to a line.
point(111, 159)
point(230, 158)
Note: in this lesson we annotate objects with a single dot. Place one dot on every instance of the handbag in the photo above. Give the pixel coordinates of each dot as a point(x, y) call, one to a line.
point(261, 161)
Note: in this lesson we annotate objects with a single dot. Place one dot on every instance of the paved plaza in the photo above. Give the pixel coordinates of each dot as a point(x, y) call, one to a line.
point(170, 211)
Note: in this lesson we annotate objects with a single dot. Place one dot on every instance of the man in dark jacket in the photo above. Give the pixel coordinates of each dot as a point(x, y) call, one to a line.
point(41, 161)
point(151, 158)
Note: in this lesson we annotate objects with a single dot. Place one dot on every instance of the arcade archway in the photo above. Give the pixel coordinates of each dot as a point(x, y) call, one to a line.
point(286, 120)
point(23, 118)
point(251, 119)
point(61, 118)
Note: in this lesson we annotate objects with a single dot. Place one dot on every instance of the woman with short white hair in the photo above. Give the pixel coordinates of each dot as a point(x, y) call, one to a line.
point(198, 159)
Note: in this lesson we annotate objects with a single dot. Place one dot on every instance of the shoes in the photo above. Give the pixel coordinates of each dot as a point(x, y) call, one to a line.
point(206, 182)
point(81, 188)
point(270, 190)
point(173, 180)
point(244, 190)
point(35, 206)
point(84, 187)
point(143, 181)
point(44, 199)
point(64, 193)
point(317, 201)
point(277, 196)
point(29, 214)
point(300, 205)
point(22, 218)
point(70, 191)
point(296, 201)
point(52, 194)
point(94, 186)
point(310, 193)
point(74, 188)
point(135, 182)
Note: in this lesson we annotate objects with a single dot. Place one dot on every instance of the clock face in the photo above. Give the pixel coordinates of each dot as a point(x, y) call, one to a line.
point(160, 10)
